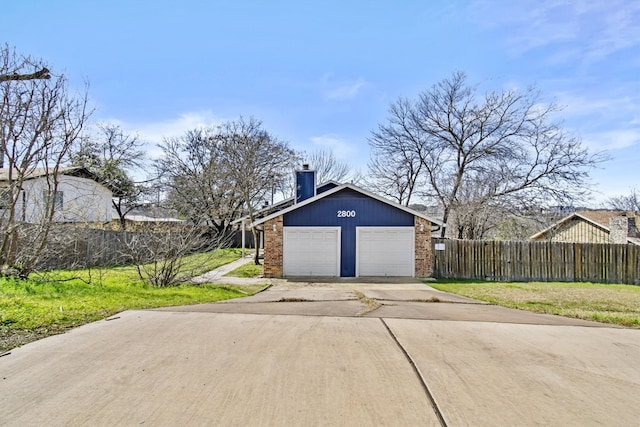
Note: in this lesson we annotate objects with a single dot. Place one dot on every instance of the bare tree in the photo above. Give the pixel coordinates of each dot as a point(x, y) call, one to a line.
point(394, 172)
point(255, 161)
point(38, 75)
point(216, 175)
point(327, 166)
point(474, 213)
point(506, 142)
point(196, 186)
point(13, 68)
point(39, 123)
point(14, 75)
point(630, 202)
point(110, 156)
point(160, 257)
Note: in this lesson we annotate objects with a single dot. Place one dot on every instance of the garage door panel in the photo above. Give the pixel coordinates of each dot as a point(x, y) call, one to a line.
point(311, 251)
point(385, 251)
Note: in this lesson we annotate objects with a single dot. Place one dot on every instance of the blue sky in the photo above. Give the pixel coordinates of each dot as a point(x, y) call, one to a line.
point(322, 74)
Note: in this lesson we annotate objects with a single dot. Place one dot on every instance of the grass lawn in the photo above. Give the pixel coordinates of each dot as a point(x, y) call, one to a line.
point(617, 304)
point(247, 270)
point(52, 303)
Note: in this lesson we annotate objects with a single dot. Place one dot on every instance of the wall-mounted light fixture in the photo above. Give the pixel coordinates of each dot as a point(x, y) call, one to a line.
point(275, 228)
point(421, 228)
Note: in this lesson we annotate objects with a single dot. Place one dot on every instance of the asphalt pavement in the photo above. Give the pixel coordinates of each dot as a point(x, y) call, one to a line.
point(391, 352)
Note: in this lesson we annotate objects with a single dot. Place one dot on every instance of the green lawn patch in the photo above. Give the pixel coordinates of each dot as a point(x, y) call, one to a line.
point(247, 270)
point(617, 304)
point(59, 300)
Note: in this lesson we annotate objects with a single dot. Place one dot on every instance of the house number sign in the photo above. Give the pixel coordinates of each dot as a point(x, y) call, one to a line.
point(346, 214)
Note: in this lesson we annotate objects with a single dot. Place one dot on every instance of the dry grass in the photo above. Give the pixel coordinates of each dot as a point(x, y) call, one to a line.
point(618, 304)
point(371, 304)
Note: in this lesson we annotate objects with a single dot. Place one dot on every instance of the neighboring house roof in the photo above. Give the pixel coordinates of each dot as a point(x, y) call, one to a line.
point(598, 218)
point(340, 188)
point(38, 172)
point(602, 217)
point(144, 218)
point(77, 171)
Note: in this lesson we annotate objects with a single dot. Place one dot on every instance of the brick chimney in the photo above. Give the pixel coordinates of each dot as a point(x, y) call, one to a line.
point(619, 227)
point(633, 225)
point(305, 183)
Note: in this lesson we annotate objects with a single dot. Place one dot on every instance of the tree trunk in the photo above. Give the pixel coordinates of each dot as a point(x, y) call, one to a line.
point(256, 240)
point(121, 217)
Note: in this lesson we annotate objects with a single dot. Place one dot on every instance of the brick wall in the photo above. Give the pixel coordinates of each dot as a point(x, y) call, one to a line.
point(273, 247)
point(424, 256)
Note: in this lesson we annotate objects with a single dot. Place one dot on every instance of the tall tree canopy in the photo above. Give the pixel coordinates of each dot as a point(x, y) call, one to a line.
point(220, 173)
point(464, 149)
point(112, 155)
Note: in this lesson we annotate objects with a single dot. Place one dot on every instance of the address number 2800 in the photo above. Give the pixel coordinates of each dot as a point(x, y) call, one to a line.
point(346, 214)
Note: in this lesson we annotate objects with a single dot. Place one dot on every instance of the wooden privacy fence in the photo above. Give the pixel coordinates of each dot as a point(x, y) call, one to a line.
point(536, 261)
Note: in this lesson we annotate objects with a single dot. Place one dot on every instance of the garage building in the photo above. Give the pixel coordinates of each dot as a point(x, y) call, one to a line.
point(347, 232)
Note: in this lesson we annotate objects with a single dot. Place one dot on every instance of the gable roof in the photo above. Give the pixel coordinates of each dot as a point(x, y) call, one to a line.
point(77, 171)
point(602, 217)
point(283, 204)
point(599, 218)
point(338, 189)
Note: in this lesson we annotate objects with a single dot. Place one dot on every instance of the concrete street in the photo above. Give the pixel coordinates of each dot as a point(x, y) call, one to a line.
point(394, 353)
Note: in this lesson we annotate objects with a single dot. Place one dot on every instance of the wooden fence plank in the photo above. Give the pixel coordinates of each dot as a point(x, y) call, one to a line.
point(537, 261)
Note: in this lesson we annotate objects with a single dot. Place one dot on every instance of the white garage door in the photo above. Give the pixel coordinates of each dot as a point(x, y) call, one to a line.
point(311, 251)
point(385, 251)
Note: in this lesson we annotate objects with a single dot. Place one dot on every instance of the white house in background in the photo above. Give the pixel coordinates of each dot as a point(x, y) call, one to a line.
point(79, 197)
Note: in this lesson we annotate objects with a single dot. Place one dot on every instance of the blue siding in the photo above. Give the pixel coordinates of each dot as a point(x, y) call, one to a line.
point(368, 212)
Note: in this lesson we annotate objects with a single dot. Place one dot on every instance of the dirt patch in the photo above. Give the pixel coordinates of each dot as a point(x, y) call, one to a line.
point(294, 300)
point(432, 299)
point(10, 338)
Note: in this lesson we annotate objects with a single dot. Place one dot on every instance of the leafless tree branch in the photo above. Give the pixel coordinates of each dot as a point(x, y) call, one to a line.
point(505, 146)
point(43, 74)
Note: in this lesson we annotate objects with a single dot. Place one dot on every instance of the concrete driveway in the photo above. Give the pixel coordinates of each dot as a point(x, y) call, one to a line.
point(394, 353)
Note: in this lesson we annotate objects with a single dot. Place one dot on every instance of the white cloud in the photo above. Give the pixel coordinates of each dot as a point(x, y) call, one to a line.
point(155, 131)
point(152, 133)
point(341, 148)
point(588, 104)
point(579, 30)
point(534, 22)
point(616, 139)
point(342, 90)
point(605, 122)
